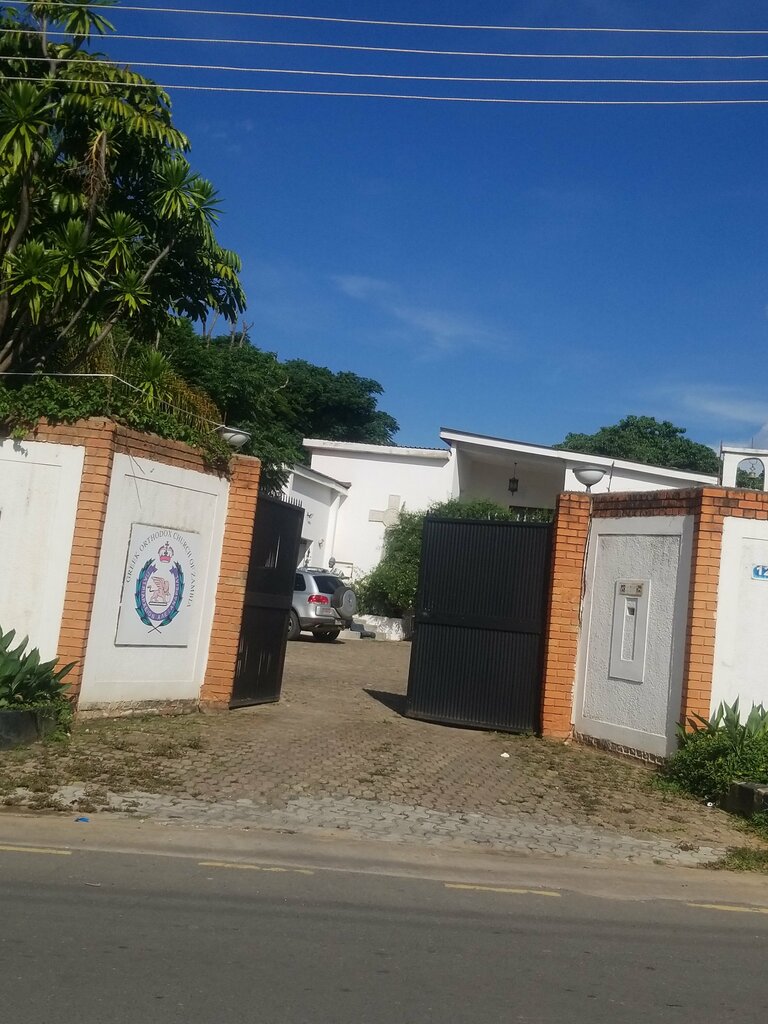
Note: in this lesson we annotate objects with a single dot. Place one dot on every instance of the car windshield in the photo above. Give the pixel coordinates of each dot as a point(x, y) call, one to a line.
point(328, 584)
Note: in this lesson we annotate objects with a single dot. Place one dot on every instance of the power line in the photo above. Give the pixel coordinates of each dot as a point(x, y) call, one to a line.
point(401, 96)
point(401, 49)
point(431, 24)
point(416, 78)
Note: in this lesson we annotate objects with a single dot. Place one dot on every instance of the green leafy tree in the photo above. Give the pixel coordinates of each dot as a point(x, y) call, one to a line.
point(390, 588)
point(336, 406)
point(646, 439)
point(102, 219)
point(278, 403)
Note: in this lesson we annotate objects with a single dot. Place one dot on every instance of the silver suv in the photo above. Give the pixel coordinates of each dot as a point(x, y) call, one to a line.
point(322, 604)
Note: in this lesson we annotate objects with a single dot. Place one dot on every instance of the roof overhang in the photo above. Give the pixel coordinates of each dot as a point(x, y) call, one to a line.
point(393, 451)
point(307, 473)
point(459, 438)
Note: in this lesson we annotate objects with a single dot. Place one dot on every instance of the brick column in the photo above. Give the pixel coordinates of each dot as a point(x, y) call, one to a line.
point(98, 436)
point(230, 593)
point(569, 547)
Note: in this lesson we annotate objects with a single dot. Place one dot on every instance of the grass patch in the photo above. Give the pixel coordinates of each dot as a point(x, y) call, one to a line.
point(742, 858)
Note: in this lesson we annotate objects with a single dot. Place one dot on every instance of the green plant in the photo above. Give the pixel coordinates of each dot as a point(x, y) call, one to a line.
point(759, 822)
point(69, 400)
point(102, 218)
point(742, 858)
point(390, 588)
point(26, 681)
point(727, 721)
point(708, 762)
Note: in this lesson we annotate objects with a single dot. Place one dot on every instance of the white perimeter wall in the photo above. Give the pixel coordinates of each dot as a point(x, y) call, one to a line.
point(142, 491)
point(640, 713)
point(741, 637)
point(39, 490)
point(419, 482)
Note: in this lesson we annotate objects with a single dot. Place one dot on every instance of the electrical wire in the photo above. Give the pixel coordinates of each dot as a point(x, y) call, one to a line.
point(401, 49)
point(399, 96)
point(413, 78)
point(427, 24)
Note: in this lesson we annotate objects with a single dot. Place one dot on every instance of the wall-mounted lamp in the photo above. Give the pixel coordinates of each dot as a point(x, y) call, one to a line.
point(234, 437)
point(589, 476)
point(514, 483)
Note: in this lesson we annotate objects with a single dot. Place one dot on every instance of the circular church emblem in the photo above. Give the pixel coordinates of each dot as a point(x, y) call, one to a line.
point(159, 588)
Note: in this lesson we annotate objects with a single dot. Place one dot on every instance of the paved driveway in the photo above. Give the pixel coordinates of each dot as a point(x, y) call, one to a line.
point(336, 754)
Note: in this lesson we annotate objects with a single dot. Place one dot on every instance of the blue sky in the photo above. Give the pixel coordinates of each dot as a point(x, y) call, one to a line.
point(519, 271)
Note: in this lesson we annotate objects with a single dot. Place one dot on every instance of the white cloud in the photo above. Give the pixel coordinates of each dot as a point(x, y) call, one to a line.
point(442, 331)
point(357, 286)
point(726, 408)
point(724, 404)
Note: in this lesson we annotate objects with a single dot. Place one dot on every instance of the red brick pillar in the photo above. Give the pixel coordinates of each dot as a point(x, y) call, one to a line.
point(230, 593)
point(98, 437)
point(569, 548)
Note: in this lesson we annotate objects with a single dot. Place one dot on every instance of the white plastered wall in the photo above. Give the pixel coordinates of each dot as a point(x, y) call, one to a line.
point(39, 491)
point(417, 481)
point(151, 493)
point(320, 503)
point(741, 636)
point(538, 485)
point(641, 712)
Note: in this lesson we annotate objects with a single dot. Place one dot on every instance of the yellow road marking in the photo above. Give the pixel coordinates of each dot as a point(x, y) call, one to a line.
point(35, 849)
point(730, 909)
point(493, 888)
point(252, 867)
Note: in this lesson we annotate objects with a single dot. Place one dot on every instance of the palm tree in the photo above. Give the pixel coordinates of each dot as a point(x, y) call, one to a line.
point(102, 219)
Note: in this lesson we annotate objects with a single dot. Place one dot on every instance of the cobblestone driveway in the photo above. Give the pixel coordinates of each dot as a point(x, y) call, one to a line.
point(336, 754)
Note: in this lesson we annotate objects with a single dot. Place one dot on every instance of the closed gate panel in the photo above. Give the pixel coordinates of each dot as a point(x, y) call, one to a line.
point(481, 609)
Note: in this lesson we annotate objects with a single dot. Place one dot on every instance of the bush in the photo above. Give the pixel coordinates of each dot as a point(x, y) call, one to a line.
point(708, 763)
point(727, 720)
point(390, 588)
point(714, 752)
point(69, 400)
point(27, 683)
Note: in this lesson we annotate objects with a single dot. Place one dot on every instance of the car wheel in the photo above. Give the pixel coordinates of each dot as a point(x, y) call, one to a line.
point(326, 636)
point(293, 626)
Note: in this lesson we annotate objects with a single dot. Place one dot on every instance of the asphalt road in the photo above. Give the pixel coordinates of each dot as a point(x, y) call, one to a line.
point(113, 938)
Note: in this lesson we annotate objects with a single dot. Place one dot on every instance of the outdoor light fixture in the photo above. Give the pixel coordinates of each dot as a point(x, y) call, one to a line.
point(514, 483)
point(589, 476)
point(232, 436)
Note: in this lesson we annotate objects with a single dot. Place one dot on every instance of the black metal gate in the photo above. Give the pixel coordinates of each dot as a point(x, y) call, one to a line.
point(268, 596)
point(480, 618)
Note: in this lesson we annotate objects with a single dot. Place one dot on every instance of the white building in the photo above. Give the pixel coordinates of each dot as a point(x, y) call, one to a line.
point(320, 496)
point(354, 491)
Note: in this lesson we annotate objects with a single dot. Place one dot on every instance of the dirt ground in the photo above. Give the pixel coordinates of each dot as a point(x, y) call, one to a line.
point(339, 734)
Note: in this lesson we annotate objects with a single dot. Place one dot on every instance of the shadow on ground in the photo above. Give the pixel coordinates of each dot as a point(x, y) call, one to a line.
point(394, 701)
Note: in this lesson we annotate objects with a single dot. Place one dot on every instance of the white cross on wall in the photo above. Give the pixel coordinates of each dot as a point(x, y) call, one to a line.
point(390, 514)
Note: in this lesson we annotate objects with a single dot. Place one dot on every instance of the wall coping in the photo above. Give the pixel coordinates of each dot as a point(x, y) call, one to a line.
point(126, 441)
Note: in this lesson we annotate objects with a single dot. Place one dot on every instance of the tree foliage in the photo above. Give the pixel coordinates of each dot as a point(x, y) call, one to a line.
point(390, 588)
point(279, 403)
point(646, 439)
point(108, 257)
point(336, 406)
point(68, 400)
point(102, 218)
